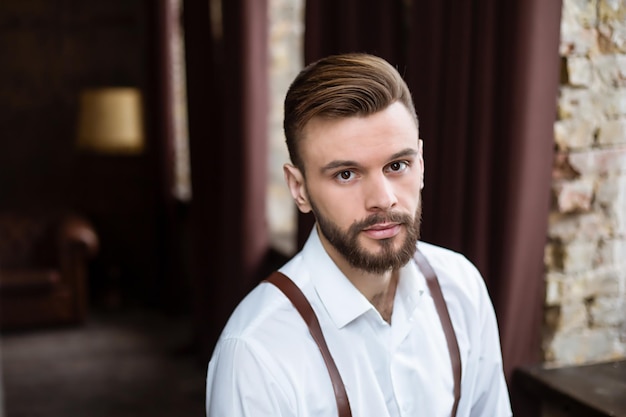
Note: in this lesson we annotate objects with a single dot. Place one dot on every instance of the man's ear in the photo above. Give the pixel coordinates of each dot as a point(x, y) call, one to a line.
point(297, 187)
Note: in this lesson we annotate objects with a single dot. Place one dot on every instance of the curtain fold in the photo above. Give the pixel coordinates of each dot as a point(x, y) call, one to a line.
point(451, 61)
point(532, 77)
point(484, 76)
point(227, 83)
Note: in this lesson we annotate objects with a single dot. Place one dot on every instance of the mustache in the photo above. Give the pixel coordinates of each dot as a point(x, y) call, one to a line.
point(376, 218)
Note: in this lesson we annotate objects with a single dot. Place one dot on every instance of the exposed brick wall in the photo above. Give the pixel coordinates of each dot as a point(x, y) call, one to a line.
point(586, 252)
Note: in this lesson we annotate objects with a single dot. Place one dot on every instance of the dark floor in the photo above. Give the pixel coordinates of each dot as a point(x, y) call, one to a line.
point(117, 364)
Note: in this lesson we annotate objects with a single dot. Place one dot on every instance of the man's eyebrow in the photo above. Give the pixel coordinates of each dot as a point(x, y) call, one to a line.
point(404, 153)
point(338, 164)
point(353, 164)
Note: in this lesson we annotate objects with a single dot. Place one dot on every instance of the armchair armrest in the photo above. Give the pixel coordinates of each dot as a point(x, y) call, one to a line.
point(76, 232)
point(78, 242)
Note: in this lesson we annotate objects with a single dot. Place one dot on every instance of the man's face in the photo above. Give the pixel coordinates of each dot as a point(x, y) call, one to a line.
point(363, 181)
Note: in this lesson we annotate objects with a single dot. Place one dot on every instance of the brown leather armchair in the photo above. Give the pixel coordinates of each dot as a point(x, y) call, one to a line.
point(43, 268)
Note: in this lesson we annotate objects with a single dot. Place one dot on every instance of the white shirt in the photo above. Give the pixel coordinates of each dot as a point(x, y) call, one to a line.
point(267, 364)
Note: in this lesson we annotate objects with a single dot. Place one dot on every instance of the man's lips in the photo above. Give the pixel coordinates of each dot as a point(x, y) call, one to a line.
point(382, 230)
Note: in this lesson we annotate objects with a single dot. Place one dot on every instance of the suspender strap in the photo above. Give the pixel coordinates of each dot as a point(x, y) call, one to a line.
point(300, 302)
point(446, 323)
point(297, 298)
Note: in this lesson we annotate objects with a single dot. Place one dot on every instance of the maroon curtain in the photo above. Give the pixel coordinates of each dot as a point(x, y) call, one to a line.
point(524, 171)
point(226, 60)
point(484, 76)
point(173, 288)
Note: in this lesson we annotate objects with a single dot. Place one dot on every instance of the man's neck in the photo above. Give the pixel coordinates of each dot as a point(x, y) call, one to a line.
point(378, 288)
point(382, 296)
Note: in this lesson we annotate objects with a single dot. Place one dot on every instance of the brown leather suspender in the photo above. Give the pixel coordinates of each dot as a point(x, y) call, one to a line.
point(297, 298)
point(446, 323)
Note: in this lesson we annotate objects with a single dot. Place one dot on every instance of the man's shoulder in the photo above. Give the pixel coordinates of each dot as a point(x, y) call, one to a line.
point(265, 329)
point(263, 314)
point(455, 272)
point(441, 257)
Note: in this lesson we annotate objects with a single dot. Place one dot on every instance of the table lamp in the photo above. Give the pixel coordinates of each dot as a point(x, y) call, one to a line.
point(110, 121)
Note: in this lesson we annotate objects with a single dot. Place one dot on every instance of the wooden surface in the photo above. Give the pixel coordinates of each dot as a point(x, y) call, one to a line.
point(590, 390)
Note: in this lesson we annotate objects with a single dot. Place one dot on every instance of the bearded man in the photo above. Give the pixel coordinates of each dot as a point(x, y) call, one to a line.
point(406, 328)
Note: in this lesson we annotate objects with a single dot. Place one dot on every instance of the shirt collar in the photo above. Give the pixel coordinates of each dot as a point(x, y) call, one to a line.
point(341, 299)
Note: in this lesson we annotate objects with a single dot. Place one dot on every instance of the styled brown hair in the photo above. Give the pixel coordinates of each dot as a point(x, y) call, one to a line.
point(339, 86)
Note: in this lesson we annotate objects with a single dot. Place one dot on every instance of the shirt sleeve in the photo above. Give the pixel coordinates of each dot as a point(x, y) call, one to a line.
point(240, 384)
point(491, 394)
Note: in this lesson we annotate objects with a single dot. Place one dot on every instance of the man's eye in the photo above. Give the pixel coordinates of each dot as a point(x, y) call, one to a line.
point(345, 175)
point(398, 166)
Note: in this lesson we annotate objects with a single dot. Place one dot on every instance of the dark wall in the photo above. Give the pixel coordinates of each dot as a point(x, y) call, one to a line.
point(49, 51)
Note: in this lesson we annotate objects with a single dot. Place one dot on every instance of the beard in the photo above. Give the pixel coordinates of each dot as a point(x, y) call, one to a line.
point(388, 257)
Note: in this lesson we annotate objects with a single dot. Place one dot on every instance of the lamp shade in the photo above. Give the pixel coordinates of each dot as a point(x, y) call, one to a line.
point(111, 120)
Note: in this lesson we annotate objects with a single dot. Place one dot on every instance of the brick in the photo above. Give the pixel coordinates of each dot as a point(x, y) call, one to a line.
point(578, 14)
point(611, 189)
point(551, 259)
point(608, 73)
point(574, 134)
point(553, 290)
point(608, 311)
point(612, 132)
point(581, 104)
point(578, 23)
point(579, 71)
point(611, 197)
point(574, 196)
point(579, 41)
point(553, 256)
point(611, 16)
point(580, 346)
point(592, 104)
point(611, 103)
point(611, 10)
point(566, 288)
point(616, 212)
point(604, 281)
point(579, 256)
point(599, 161)
point(553, 293)
point(599, 283)
point(561, 168)
point(573, 316)
point(620, 61)
point(585, 226)
point(612, 252)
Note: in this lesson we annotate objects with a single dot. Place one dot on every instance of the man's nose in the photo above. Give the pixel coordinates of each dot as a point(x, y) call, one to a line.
point(379, 193)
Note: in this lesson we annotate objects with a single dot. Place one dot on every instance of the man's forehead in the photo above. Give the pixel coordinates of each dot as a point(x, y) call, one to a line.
point(323, 136)
point(367, 139)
